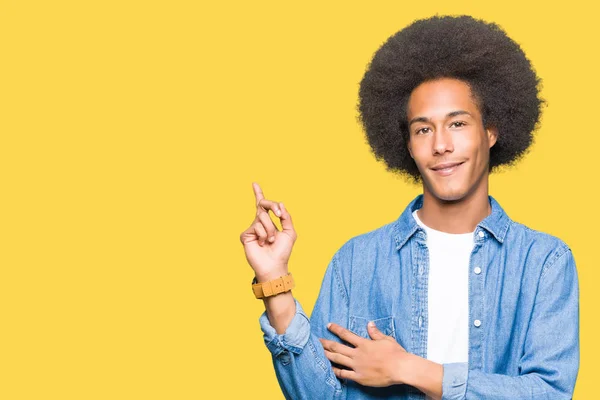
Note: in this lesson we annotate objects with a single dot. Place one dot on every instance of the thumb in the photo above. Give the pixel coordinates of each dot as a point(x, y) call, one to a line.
point(374, 332)
point(286, 220)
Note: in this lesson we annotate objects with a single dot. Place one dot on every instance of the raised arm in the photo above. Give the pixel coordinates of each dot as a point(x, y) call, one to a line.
point(300, 365)
point(268, 251)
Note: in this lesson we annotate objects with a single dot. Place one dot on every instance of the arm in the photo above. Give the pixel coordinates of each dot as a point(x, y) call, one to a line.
point(381, 362)
point(301, 367)
point(548, 365)
point(300, 364)
point(550, 360)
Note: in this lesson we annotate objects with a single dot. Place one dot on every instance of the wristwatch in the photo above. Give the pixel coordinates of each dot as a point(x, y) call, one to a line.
point(273, 287)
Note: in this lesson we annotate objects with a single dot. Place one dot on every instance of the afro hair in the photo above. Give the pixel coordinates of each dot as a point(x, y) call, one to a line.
point(480, 54)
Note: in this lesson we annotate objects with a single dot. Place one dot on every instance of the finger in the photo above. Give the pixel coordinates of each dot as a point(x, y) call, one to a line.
point(336, 347)
point(339, 359)
point(345, 334)
point(286, 221)
point(375, 333)
point(345, 373)
point(267, 205)
point(261, 233)
point(258, 194)
point(269, 226)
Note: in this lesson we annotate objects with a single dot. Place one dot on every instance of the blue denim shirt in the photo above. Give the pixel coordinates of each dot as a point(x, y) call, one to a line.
point(523, 313)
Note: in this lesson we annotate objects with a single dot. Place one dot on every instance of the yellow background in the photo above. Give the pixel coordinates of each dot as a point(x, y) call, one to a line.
point(131, 132)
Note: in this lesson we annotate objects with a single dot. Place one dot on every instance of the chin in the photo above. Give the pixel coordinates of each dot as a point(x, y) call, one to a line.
point(448, 194)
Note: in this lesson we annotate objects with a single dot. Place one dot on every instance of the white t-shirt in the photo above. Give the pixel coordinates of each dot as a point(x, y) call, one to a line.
point(448, 295)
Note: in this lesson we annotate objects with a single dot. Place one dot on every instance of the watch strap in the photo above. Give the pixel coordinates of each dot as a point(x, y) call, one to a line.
point(273, 287)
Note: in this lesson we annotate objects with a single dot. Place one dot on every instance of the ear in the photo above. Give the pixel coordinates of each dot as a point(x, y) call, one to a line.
point(492, 134)
point(409, 149)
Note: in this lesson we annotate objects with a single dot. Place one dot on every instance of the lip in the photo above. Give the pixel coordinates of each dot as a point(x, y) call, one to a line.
point(446, 169)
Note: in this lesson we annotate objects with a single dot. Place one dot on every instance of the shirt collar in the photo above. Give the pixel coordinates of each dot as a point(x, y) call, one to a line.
point(496, 223)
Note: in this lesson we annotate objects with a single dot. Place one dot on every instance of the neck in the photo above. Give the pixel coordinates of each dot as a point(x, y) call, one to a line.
point(455, 216)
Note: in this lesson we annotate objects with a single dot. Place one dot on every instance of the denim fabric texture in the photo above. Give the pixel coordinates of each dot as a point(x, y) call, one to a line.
point(523, 313)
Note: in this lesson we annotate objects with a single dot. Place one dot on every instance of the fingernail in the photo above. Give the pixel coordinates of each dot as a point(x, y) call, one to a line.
point(277, 212)
point(328, 325)
point(272, 239)
point(371, 324)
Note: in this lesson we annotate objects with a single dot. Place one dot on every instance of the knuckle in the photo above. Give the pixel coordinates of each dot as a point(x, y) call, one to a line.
point(258, 228)
point(264, 203)
point(264, 217)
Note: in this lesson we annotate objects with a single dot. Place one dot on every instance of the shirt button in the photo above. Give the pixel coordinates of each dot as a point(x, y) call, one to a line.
point(477, 270)
point(477, 323)
point(481, 234)
point(420, 321)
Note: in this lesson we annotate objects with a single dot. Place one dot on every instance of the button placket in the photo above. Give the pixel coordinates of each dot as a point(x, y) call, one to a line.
point(476, 308)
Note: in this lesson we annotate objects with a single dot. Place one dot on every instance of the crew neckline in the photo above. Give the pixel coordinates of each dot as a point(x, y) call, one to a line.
point(436, 232)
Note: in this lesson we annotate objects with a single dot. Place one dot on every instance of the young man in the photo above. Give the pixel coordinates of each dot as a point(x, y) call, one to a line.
point(453, 300)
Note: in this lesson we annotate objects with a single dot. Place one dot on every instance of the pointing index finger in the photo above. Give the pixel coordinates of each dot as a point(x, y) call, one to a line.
point(258, 194)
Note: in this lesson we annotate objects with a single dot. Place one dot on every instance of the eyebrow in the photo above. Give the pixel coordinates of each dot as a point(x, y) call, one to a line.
point(449, 115)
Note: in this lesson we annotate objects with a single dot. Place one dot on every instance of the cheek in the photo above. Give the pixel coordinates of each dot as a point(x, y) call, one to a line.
point(420, 159)
point(419, 152)
point(472, 146)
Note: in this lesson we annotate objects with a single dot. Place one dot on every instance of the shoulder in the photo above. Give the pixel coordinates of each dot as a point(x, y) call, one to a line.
point(378, 239)
point(540, 245)
point(359, 254)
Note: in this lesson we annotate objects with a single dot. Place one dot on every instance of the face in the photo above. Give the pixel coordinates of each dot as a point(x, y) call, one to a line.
point(447, 139)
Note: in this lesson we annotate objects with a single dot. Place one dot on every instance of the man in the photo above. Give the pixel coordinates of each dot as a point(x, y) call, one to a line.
point(453, 300)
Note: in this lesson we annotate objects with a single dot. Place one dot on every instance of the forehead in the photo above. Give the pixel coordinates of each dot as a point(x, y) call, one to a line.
point(439, 97)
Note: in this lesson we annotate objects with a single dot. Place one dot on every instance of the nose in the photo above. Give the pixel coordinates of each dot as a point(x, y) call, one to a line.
point(442, 141)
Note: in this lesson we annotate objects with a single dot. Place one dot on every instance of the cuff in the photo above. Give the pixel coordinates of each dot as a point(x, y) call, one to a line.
point(454, 382)
point(295, 337)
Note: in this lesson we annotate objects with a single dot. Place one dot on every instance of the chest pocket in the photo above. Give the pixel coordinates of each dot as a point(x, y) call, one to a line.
point(358, 325)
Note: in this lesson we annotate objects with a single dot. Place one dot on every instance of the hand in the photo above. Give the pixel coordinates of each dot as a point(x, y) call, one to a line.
point(378, 362)
point(268, 249)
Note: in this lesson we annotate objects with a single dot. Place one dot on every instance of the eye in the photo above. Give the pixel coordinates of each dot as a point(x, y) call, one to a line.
point(421, 130)
point(458, 124)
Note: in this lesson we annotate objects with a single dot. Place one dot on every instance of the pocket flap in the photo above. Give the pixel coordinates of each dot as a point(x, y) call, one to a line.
point(358, 325)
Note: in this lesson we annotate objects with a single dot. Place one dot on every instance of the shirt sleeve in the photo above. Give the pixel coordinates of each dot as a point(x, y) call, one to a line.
point(298, 357)
point(550, 362)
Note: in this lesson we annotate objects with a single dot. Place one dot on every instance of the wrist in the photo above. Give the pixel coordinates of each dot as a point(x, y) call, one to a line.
point(403, 371)
point(270, 275)
point(423, 374)
point(406, 369)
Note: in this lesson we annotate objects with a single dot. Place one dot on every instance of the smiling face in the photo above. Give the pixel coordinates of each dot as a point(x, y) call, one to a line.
point(447, 139)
